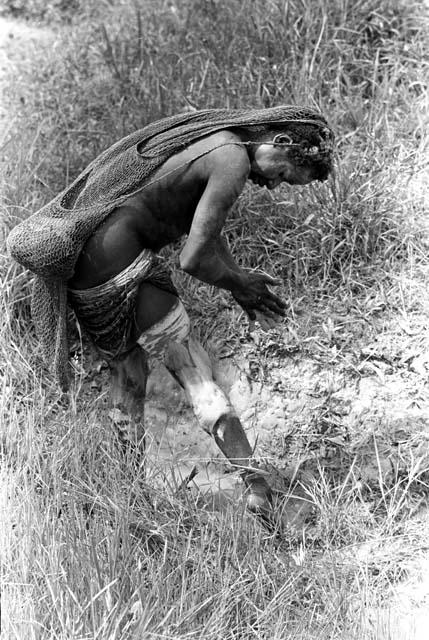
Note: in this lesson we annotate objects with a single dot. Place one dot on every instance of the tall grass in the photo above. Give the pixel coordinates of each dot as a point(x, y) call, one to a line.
point(91, 546)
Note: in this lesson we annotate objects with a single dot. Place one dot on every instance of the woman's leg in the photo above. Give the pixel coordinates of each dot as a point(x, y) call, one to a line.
point(164, 328)
point(128, 390)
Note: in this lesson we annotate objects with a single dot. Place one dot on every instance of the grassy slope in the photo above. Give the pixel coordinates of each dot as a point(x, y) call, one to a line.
point(90, 549)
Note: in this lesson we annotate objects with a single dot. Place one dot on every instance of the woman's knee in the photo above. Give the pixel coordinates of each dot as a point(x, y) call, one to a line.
point(173, 327)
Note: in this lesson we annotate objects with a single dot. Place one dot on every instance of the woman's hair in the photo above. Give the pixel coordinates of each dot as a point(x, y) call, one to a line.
point(309, 133)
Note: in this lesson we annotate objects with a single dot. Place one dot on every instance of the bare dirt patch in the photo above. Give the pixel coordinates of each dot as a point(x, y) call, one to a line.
point(370, 406)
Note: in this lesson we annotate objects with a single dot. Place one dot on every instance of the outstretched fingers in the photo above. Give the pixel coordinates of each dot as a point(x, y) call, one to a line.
point(255, 296)
point(270, 300)
point(272, 303)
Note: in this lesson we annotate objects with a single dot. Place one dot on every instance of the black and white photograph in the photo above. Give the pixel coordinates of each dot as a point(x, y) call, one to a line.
point(214, 319)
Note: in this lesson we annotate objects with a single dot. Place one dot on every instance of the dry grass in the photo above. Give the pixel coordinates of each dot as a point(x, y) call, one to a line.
point(90, 548)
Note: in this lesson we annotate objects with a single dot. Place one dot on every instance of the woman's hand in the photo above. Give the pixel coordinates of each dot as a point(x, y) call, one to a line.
point(254, 296)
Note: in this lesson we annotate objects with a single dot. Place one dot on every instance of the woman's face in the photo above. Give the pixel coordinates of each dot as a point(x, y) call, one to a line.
point(274, 163)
